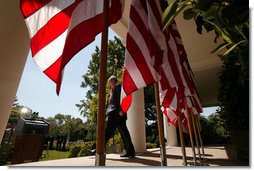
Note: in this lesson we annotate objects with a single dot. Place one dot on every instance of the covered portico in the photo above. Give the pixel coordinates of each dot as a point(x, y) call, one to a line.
point(205, 67)
point(14, 48)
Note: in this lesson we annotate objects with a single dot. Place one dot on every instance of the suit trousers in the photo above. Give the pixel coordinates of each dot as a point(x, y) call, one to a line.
point(118, 122)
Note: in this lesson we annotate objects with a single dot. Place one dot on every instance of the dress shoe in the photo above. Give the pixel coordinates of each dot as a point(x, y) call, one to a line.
point(128, 155)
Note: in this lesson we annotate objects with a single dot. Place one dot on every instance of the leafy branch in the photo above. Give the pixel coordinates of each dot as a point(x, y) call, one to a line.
point(227, 18)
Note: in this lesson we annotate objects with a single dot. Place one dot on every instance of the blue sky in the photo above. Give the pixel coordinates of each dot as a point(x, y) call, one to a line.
point(37, 92)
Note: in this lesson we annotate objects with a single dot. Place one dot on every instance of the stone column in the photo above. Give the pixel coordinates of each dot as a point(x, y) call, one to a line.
point(170, 133)
point(14, 48)
point(136, 121)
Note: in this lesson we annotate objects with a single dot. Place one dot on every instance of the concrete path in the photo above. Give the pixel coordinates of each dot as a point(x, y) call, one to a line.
point(214, 156)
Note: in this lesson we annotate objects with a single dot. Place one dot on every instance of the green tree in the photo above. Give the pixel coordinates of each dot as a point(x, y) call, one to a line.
point(14, 116)
point(150, 107)
point(53, 129)
point(74, 128)
point(66, 125)
point(116, 50)
point(150, 115)
point(213, 130)
point(217, 124)
point(16, 103)
point(15, 112)
point(91, 128)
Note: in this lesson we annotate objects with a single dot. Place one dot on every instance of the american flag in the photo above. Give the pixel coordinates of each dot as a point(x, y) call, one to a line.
point(189, 92)
point(153, 55)
point(59, 29)
point(142, 48)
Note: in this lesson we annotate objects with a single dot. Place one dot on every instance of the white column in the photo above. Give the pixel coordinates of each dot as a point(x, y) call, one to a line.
point(170, 133)
point(14, 48)
point(136, 121)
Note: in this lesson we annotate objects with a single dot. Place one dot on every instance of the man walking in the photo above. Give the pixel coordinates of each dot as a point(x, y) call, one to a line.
point(117, 119)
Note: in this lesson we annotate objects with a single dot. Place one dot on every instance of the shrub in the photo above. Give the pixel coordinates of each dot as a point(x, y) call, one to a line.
point(74, 151)
point(86, 149)
point(151, 145)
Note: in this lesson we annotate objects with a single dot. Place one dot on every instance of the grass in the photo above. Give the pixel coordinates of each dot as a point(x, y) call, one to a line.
point(54, 155)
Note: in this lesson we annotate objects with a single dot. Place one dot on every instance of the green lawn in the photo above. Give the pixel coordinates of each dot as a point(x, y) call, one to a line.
point(54, 155)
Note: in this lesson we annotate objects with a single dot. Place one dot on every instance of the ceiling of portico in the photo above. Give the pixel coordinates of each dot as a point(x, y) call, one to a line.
point(204, 64)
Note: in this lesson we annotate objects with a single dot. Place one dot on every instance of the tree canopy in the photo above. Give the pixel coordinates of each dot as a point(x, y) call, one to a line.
point(115, 61)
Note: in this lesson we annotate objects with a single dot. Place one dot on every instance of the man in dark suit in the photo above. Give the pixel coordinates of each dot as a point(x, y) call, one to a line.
point(117, 119)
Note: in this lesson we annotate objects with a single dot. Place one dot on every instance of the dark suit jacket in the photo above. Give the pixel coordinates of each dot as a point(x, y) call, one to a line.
point(114, 105)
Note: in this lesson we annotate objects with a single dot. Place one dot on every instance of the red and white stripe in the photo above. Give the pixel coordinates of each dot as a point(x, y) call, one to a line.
point(141, 48)
point(191, 93)
point(146, 47)
point(59, 29)
point(153, 55)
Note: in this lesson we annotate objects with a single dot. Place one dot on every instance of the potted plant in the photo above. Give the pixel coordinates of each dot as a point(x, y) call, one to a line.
point(234, 104)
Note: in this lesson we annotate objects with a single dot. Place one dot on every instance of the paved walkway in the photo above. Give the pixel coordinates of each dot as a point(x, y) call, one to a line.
point(214, 156)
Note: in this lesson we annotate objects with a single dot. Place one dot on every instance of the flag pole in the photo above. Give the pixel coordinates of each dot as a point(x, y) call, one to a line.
point(100, 157)
point(181, 138)
point(199, 134)
point(160, 126)
point(195, 133)
point(190, 132)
